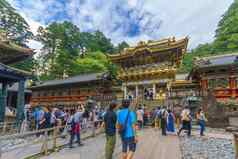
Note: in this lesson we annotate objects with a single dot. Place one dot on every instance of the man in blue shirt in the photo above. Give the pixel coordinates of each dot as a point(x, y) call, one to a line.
point(127, 120)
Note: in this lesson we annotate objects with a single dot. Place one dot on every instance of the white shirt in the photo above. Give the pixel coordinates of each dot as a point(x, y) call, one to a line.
point(185, 114)
point(78, 117)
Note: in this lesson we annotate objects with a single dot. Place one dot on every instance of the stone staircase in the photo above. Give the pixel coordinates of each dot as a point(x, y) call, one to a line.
point(150, 104)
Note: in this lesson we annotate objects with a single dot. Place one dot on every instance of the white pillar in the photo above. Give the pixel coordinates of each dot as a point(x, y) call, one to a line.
point(154, 90)
point(125, 92)
point(137, 91)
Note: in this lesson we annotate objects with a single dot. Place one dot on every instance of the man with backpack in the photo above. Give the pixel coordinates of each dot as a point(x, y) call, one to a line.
point(110, 120)
point(127, 129)
point(163, 117)
point(186, 121)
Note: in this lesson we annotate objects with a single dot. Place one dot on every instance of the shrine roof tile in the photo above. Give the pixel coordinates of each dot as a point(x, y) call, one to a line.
point(220, 60)
point(11, 53)
point(72, 80)
point(151, 46)
point(11, 70)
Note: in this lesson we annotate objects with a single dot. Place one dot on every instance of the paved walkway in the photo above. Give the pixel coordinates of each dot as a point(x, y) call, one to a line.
point(151, 146)
point(155, 146)
point(33, 147)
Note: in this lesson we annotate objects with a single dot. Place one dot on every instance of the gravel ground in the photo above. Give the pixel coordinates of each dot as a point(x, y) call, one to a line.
point(206, 148)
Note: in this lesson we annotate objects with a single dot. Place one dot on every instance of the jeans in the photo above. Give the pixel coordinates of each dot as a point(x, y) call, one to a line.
point(163, 126)
point(72, 135)
point(128, 142)
point(202, 127)
point(186, 125)
point(110, 146)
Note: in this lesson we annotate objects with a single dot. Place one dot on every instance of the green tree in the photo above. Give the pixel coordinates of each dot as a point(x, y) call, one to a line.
point(227, 31)
point(121, 46)
point(96, 41)
point(61, 44)
point(15, 26)
point(93, 62)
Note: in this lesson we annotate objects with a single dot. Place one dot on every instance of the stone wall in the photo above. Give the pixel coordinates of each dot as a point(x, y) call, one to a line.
point(216, 113)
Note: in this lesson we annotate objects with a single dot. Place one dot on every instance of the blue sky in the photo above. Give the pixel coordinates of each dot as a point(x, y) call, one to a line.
point(130, 20)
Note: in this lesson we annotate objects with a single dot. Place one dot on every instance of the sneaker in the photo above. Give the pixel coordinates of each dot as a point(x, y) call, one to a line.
point(80, 144)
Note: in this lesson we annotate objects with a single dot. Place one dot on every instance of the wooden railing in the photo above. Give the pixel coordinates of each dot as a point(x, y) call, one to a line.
point(52, 139)
point(8, 128)
point(59, 98)
point(70, 98)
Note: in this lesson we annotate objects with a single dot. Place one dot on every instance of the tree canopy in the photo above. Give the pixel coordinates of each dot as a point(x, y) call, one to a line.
point(68, 52)
point(15, 26)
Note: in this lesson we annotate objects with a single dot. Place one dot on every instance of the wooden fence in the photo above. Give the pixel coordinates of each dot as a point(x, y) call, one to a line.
point(8, 128)
point(51, 139)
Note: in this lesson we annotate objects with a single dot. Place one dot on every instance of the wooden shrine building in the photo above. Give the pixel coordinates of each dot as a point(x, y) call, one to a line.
point(217, 75)
point(72, 92)
point(9, 54)
point(147, 69)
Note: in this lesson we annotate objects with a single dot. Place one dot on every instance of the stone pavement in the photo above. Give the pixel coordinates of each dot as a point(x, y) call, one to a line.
point(151, 146)
point(33, 147)
point(155, 146)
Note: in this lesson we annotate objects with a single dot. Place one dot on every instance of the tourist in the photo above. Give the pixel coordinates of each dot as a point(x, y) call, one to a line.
point(85, 118)
point(186, 121)
point(78, 117)
point(140, 119)
point(146, 94)
point(110, 119)
point(157, 118)
point(71, 125)
point(74, 128)
point(53, 120)
point(163, 117)
point(177, 109)
point(201, 121)
point(127, 129)
point(47, 118)
point(170, 122)
point(38, 116)
point(145, 116)
point(130, 97)
point(151, 94)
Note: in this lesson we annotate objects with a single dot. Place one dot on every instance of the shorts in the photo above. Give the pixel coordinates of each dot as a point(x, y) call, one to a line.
point(128, 143)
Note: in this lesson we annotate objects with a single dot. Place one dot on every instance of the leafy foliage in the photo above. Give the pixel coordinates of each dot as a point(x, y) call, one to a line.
point(96, 41)
point(68, 52)
point(121, 46)
point(227, 31)
point(93, 62)
point(13, 24)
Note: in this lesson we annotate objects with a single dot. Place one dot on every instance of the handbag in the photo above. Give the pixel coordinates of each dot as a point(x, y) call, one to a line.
point(122, 128)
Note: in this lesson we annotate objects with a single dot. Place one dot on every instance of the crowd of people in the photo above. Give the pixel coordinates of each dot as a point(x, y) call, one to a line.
point(122, 120)
point(129, 122)
point(69, 121)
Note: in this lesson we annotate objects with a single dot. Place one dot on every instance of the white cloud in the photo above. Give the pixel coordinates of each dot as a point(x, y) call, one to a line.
point(36, 46)
point(196, 18)
point(149, 19)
